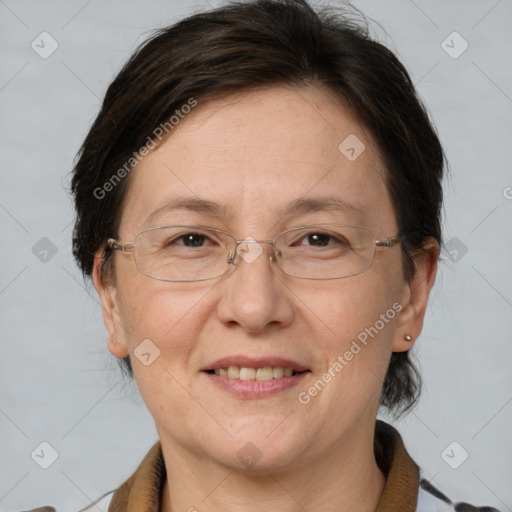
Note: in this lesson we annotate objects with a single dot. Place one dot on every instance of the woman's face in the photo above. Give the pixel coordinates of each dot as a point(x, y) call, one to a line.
point(253, 154)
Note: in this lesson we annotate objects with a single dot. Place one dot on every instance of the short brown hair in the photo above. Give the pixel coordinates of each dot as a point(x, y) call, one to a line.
point(244, 45)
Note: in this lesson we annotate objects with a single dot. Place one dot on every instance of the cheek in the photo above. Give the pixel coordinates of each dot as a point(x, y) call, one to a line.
point(347, 308)
point(165, 321)
point(168, 314)
point(358, 318)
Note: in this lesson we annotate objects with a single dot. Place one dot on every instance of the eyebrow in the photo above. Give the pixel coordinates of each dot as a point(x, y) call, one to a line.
point(295, 207)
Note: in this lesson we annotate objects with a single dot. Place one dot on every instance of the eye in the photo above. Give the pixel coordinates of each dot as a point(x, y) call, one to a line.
point(321, 239)
point(189, 240)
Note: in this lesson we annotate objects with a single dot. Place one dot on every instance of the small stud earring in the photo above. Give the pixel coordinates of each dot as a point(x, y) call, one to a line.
point(408, 337)
point(114, 342)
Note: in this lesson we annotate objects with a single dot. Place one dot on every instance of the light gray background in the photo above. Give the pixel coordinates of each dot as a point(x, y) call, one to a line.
point(58, 382)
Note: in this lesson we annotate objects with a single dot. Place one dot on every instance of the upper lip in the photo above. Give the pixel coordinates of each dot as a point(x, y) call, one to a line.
point(252, 362)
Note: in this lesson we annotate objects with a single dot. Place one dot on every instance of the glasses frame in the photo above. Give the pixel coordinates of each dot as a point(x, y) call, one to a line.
point(233, 258)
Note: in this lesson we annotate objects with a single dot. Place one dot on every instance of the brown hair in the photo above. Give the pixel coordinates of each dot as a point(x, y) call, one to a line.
point(244, 45)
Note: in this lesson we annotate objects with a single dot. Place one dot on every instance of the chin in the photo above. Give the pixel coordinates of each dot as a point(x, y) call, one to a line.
point(249, 459)
point(261, 444)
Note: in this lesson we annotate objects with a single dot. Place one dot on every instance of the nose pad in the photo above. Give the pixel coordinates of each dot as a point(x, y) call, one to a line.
point(274, 255)
point(233, 258)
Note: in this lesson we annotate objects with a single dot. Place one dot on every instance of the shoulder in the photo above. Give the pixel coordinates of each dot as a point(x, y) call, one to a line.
point(431, 499)
point(100, 504)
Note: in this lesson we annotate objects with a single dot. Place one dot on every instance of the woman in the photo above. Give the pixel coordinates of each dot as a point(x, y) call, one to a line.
point(258, 205)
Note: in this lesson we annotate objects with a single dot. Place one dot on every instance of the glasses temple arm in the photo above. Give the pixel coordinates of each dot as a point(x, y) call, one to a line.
point(389, 242)
point(116, 246)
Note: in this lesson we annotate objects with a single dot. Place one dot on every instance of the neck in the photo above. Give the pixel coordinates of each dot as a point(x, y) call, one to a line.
point(345, 477)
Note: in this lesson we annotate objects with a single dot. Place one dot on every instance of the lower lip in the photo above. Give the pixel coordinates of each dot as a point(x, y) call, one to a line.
point(256, 388)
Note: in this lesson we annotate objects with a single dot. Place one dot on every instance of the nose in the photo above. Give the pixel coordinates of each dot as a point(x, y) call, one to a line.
point(254, 295)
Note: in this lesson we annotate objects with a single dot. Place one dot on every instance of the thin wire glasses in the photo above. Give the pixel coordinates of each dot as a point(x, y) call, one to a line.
point(199, 253)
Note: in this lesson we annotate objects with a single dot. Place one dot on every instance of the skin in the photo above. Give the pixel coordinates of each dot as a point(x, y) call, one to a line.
point(255, 152)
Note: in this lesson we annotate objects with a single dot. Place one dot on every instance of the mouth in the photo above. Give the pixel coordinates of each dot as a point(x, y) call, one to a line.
point(255, 378)
point(262, 374)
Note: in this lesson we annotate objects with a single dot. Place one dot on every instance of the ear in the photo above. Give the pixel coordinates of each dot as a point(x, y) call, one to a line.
point(415, 297)
point(111, 316)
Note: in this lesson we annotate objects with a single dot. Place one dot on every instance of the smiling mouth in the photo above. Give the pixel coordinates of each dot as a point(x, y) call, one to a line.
point(265, 373)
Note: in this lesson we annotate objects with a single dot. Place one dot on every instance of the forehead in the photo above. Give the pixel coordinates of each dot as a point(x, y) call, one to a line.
point(253, 153)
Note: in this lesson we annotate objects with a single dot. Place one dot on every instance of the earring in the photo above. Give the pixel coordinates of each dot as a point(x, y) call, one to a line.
point(114, 341)
point(408, 337)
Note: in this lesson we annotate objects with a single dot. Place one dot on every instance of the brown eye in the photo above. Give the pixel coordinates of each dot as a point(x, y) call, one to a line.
point(190, 240)
point(321, 239)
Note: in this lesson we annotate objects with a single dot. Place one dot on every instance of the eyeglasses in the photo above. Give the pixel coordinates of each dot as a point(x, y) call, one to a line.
point(198, 253)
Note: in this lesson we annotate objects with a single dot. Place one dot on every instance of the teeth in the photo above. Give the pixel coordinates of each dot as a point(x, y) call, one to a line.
point(247, 373)
point(234, 372)
point(244, 373)
point(264, 373)
point(277, 372)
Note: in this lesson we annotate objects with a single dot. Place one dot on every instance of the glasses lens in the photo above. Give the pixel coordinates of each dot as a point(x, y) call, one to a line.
point(182, 253)
point(325, 251)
